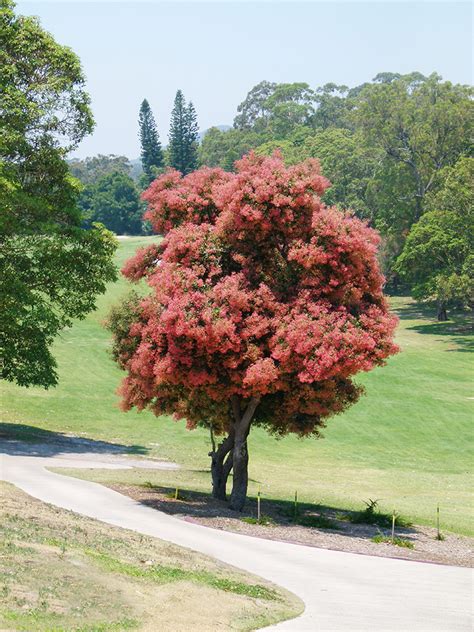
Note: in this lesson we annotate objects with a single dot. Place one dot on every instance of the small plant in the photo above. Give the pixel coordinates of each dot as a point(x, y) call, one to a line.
point(266, 521)
point(176, 495)
point(439, 535)
point(384, 539)
point(148, 485)
point(371, 515)
point(295, 507)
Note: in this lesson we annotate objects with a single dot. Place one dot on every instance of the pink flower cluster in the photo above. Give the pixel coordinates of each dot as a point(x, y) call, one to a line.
point(257, 290)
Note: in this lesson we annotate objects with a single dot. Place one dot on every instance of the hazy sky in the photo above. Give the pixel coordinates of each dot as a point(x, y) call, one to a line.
point(216, 51)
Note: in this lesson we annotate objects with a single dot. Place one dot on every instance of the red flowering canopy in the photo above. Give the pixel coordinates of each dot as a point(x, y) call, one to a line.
point(264, 304)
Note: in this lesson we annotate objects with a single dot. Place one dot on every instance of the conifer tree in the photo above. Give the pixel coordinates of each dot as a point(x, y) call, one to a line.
point(191, 137)
point(183, 135)
point(151, 153)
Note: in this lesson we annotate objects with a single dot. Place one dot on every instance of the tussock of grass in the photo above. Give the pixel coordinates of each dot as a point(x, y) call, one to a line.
point(266, 521)
point(177, 494)
point(383, 539)
point(371, 515)
point(149, 485)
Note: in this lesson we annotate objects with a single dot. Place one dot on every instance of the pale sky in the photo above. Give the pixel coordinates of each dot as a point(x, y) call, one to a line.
point(217, 51)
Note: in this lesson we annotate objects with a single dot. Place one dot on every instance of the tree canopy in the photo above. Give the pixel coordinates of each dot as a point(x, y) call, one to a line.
point(264, 304)
point(91, 169)
point(114, 201)
point(51, 269)
point(438, 256)
point(421, 124)
point(151, 152)
point(384, 145)
point(183, 136)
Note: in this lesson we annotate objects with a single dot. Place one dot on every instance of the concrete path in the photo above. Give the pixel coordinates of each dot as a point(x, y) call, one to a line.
point(342, 592)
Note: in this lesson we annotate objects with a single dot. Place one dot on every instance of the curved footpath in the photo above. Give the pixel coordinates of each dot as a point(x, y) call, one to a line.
point(341, 591)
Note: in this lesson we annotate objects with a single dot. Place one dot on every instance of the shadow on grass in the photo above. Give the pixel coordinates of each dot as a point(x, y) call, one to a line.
point(280, 513)
point(459, 327)
point(24, 440)
point(460, 330)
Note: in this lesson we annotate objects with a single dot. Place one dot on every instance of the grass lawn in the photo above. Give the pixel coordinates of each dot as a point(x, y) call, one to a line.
point(408, 442)
point(61, 571)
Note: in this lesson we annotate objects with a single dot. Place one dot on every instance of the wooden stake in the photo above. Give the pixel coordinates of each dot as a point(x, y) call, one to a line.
point(437, 522)
point(295, 508)
point(258, 505)
point(393, 526)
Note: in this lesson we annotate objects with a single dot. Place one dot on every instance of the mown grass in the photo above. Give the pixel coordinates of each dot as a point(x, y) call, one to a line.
point(408, 442)
point(60, 571)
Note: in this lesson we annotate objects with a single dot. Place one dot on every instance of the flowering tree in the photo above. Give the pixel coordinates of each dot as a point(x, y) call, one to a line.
point(263, 305)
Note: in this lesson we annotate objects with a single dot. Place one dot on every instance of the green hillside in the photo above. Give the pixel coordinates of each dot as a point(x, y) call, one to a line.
point(406, 442)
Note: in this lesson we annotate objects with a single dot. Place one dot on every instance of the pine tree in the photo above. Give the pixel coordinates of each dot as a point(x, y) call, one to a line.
point(151, 154)
point(177, 133)
point(192, 134)
point(183, 135)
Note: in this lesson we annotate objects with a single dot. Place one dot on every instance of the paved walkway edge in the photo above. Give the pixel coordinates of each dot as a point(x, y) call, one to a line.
point(341, 591)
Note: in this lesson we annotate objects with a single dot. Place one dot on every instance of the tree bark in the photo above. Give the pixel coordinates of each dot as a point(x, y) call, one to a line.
point(240, 456)
point(240, 475)
point(221, 466)
point(442, 314)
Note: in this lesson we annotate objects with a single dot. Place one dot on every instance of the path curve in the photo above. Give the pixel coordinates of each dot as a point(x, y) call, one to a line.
point(341, 591)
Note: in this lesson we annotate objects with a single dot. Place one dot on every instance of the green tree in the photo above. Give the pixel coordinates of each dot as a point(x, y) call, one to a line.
point(333, 106)
point(115, 202)
point(183, 137)
point(222, 148)
point(438, 256)
point(151, 152)
point(457, 191)
point(345, 161)
point(276, 107)
point(253, 112)
point(191, 138)
point(383, 144)
point(91, 169)
point(51, 269)
point(291, 105)
point(422, 125)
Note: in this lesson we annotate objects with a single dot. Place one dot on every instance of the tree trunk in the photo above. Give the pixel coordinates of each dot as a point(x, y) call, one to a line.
point(240, 455)
point(221, 467)
point(442, 315)
point(240, 477)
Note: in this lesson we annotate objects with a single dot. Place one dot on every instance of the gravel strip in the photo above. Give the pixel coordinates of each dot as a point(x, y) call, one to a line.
point(354, 538)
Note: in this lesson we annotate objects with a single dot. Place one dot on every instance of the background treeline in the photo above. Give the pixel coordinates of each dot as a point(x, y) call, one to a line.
point(398, 151)
point(112, 184)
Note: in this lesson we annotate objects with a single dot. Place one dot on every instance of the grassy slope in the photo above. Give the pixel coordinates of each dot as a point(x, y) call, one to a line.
point(406, 442)
point(61, 571)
